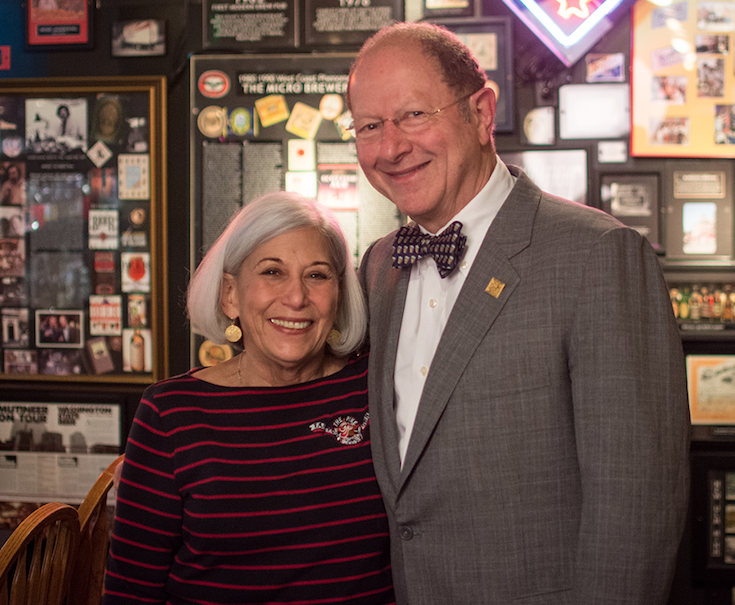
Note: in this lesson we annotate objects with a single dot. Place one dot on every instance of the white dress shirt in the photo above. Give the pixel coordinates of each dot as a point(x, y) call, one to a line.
point(430, 299)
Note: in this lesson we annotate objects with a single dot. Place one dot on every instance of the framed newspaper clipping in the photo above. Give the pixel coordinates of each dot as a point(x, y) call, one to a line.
point(82, 219)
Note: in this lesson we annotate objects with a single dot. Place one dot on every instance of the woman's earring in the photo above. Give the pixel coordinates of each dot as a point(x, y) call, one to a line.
point(334, 337)
point(233, 332)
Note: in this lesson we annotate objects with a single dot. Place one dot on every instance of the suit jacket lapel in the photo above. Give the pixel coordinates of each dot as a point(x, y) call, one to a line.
point(387, 299)
point(475, 310)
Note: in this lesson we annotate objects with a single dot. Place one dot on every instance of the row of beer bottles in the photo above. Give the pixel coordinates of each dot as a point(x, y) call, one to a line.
point(715, 303)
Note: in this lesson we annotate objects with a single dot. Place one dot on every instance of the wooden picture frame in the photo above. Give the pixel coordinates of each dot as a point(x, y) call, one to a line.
point(50, 26)
point(92, 251)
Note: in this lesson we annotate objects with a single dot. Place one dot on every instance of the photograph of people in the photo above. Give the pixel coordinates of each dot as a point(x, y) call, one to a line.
point(251, 481)
point(13, 187)
point(56, 125)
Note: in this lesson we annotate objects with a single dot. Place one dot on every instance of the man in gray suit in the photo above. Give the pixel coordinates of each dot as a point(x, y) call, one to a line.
point(529, 407)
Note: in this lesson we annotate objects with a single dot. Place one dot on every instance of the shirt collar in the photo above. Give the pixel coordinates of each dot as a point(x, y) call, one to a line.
point(477, 216)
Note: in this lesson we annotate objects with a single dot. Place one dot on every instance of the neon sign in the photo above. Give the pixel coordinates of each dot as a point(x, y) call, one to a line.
point(568, 27)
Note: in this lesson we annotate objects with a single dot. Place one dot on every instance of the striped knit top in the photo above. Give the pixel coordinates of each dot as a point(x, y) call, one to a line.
point(251, 495)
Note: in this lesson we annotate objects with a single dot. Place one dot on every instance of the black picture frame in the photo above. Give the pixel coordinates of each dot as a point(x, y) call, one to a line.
point(433, 9)
point(342, 23)
point(44, 31)
point(634, 200)
point(713, 561)
point(699, 214)
point(491, 40)
point(223, 29)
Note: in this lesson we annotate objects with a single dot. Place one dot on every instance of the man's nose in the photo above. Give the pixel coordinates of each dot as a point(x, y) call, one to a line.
point(394, 143)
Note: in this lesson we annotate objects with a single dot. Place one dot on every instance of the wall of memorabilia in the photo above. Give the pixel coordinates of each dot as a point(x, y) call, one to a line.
point(81, 209)
point(635, 123)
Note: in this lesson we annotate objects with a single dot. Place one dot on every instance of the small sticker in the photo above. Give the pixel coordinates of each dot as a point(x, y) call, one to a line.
point(103, 229)
point(212, 122)
point(214, 84)
point(272, 109)
point(133, 176)
point(241, 121)
point(330, 106)
point(105, 315)
point(304, 121)
point(135, 271)
point(99, 153)
point(301, 155)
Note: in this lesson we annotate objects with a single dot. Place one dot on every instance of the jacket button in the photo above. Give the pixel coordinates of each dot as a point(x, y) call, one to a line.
point(406, 532)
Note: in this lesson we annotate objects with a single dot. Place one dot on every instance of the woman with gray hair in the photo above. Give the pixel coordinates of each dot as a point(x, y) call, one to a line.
point(251, 481)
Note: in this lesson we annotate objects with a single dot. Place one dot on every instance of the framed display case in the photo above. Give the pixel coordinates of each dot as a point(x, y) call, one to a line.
point(82, 229)
point(634, 200)
point(699, 221)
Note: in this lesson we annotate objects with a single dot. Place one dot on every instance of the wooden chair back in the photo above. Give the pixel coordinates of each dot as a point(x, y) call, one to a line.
point(88, 576)
point(37, 559)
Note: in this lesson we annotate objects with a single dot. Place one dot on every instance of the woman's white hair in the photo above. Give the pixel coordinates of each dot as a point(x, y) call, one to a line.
point(256, 223)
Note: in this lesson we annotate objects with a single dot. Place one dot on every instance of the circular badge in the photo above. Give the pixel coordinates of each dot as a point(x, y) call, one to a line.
point(240, 122)
point(137, 216)
point(12, 146)
point(211, 121)
point(211, 354)
point(330, 106)
point(214, 84)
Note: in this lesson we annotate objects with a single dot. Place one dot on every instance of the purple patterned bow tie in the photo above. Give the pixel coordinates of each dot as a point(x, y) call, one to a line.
point(410, 245)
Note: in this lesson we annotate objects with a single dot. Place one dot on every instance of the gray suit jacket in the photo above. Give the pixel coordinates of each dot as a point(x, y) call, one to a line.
point(549, 459)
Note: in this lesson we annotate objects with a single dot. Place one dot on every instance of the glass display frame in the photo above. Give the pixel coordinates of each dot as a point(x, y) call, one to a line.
point(90, 253)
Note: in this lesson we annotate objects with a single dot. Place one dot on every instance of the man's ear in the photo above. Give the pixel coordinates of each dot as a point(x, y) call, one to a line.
point(228, 295)
point(485, 104)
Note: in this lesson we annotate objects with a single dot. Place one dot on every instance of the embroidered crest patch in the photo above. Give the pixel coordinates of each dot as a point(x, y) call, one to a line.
point(344, 429)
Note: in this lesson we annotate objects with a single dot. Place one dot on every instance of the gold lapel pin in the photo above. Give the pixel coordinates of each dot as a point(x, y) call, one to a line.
point(495, 287)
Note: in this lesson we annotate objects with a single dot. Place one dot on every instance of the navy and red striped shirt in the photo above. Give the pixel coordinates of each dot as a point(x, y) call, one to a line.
point(251, 495)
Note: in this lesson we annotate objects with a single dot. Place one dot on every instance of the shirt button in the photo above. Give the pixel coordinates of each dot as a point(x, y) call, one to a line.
point(433, 303)
point(424, 371)
point(464, 265)
point(406, 532)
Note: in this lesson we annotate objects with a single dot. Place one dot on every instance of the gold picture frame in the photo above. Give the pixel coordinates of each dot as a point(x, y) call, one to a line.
point(92, 250)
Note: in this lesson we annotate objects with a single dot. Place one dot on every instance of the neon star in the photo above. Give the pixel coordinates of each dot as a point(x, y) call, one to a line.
point(566, 11)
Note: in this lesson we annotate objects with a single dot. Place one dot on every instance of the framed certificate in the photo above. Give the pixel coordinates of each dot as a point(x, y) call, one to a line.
point(711, 383)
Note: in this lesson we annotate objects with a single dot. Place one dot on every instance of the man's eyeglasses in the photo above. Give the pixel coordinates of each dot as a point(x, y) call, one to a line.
point(411, 122)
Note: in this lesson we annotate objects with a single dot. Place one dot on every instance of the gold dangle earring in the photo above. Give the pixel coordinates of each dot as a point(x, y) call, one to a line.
point(334, 337)
point(233, 333)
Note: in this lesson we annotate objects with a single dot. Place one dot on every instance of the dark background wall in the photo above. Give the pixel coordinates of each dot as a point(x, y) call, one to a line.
point(538, 73)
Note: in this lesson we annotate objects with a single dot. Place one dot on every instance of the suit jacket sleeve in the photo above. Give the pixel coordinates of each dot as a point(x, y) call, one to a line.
point(631, 423)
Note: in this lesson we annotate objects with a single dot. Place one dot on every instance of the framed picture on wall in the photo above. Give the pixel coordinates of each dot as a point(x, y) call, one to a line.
point(491, 40)
point(82, 219)
point(633, 199)
point(54, 25)
point(139, 38)
point(699, 213)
